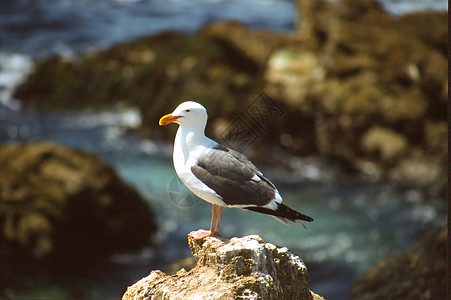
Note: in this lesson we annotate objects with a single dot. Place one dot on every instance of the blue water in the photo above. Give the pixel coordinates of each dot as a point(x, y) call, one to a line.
point(44, 27)
point(355, 225)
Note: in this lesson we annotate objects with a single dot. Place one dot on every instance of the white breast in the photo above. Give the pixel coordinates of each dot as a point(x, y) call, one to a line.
point(184, 159)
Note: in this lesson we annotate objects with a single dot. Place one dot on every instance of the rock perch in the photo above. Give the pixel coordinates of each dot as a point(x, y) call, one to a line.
point(244, 268)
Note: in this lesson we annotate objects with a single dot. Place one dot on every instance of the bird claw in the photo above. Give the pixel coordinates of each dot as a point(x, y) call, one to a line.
point(201, 234)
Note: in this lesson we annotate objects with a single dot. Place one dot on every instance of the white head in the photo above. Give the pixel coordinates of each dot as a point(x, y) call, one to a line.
point(187, 114)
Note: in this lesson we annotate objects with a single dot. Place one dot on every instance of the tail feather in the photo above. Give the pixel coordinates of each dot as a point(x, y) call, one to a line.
point(282, 213)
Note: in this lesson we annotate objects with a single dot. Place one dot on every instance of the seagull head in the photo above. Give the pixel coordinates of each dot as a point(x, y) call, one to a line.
point(187, 114)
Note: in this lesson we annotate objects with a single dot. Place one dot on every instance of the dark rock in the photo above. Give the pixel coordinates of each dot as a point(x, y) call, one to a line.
point(154, 73)
point(429, 27)
point(61, 208)
point(420, 272)
point(103, 78)
point(236, 268)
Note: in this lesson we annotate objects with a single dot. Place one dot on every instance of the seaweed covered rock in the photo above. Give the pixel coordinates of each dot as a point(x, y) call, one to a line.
point(236, 268)
point(61, 207)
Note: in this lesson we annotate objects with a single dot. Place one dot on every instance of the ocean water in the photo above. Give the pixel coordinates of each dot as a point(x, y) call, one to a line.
point(65, 27)
point(355, 225)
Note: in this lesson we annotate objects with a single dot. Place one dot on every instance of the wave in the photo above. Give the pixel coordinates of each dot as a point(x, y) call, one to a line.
point(13, 70)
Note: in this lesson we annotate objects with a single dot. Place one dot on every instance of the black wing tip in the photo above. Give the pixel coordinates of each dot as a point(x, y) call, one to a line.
point(292, 214)
point(307, 218)
point(298, 221)
point(301, 217)
point(284, 212)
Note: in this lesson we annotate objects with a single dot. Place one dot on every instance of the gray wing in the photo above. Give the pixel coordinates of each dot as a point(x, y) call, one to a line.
point(231, 175)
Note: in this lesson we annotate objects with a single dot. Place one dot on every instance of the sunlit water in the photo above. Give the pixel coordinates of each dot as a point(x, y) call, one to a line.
point(355, 225)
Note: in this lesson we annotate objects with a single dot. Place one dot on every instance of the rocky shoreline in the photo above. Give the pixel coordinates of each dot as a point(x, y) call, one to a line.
point(356, 85)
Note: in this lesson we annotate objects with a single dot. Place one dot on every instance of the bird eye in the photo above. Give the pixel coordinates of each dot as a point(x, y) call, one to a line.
point(187, 110)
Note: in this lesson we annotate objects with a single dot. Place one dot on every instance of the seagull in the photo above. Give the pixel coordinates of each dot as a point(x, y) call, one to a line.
point(220, 175)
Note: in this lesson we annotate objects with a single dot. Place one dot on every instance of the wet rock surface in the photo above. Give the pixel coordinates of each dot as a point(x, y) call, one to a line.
point(62, 208)
point(236, 268)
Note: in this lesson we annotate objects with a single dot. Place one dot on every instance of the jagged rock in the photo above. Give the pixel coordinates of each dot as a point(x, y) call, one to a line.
point(61, 207)
point(420, 272)
point(236, 268)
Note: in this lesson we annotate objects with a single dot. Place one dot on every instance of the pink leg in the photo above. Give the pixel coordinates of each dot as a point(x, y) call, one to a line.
point(201, 233)
point(214, 211)
point(218, 218)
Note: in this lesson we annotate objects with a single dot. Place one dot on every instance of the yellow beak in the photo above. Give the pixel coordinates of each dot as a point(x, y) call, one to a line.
point(166, 119)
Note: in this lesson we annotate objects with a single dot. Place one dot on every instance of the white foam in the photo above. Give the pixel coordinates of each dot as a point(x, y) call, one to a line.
point(13, 70)
point(409, 6)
